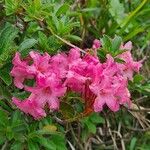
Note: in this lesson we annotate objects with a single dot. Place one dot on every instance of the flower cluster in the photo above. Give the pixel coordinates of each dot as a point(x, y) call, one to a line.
point(98, 83)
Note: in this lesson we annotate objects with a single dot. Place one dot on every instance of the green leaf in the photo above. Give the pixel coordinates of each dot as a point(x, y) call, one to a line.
point(4, 117)
point(91, 127)
point(17, 146)
point(5, 74)
point(117, 10)
point(119, 60)
point(9, 133)
point(47, 143)
point(35, 11)
point(102, 55)
point(7, 35)
point(138, 78)
point(19, 127)
point(5, 92)
point(16, 116)
point(106, 43)
point(12, 6)
point(5, 106)
point(59, 141)
point(67, 110)
point(133, 33)
point(25, 46)
point(62, 9)
point(33, 27)
point(32, 145)
point(116, 42)
point(124, 24)
point(2, 138)
point(43, 41)
point(90, 9)
point(133, 143)
point(73, 37)
point(50, 128)
point(96, 118)
point(54, 44)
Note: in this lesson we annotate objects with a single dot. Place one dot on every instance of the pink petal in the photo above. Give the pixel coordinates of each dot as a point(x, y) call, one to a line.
point(30, 107)
point(53, 103)
point(98, 104)
point(111, 102)
point(96, 44)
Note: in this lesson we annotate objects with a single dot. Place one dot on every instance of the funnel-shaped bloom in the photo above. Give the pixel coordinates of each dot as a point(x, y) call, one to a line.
point(19, 71)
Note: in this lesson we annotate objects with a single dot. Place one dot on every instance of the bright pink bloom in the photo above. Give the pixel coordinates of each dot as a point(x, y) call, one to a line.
point(40, 96)
point(96, 44)
point(49, 93)
point(19, 71)
point(98, 83)
point(40, 63)
point(105, 95)
point(30, 106)
point(127, 46)
point(110, 87)
point(40, 66)
point(130, 66)
point(75, 78)
point(59, 65)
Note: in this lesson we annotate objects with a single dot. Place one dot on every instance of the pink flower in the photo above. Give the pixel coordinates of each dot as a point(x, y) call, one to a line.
point(96, 44)
point(80, 70)
point(75, 81)
point(30, 106)
point(42, 95)
point(50, 92)
point(130, 66)
point(110, 88)
point(98, 83)
point(122, 93)
point(74, 54)
point(40, 63)
point(40, 66)
point(19, 71)
point(127, 46)
point(59, 65)
point(105, 95)
point(110, 67)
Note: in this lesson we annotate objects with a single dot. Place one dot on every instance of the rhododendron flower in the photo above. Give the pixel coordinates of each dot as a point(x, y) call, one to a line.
point(110, 87)
point(98, 83)
point(40, 63)
point(96, 44)
point(42, 95)
point(19, 71)
point(130, 66)
point(75, 77)
point(40, 66)
point(59, 65)
point(30, 106)
point(126, 46)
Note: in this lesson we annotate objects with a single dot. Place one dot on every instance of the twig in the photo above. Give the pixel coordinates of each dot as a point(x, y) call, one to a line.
point(110, 132)
point(71, 146)
point(122, 140)
point(75, 138)
point(59, 120)
point(68, 43)
point(136, 129)
point(135, 107)
point(75, 4)
point(4, 146)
